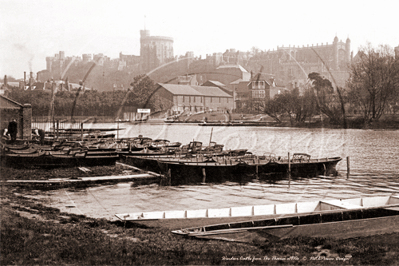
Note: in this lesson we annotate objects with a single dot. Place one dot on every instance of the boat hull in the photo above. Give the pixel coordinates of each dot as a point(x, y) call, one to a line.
point(47, 160)
point(275, 214)
point(388, 222)
point(231, 168)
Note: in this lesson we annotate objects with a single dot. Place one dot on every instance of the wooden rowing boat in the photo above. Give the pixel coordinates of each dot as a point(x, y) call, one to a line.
point(177, 219)
point(216, 168)
point(70, 158)
point(337, 222)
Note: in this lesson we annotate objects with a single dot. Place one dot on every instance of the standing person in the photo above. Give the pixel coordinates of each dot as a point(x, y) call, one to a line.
point(13, 130)
point(41, 134)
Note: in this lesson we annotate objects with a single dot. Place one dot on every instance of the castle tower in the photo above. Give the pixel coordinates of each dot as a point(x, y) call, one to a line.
point(348, 50)
point(154, 50)
point(49, 63)
point(335, 53)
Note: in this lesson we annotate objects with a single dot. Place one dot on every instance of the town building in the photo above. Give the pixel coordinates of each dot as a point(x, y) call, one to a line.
point(195, 98)
point(22, 113)
point(292, 64)
point(256, 92)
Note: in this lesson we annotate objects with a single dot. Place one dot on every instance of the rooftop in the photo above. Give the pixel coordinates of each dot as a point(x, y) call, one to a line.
point(194, 90)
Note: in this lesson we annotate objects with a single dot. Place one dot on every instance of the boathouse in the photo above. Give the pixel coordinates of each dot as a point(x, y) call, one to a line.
point(195, 98)
point(10, 110)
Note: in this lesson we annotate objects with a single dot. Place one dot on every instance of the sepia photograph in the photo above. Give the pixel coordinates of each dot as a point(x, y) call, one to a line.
point(199, 132)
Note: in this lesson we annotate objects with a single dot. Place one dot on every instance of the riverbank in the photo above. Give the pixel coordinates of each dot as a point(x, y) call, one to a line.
point(34, 234)
point(240, 119)
point(223, 118)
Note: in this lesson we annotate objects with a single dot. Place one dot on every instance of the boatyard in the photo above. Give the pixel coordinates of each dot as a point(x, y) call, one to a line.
point(145, 133)
point(140, 183)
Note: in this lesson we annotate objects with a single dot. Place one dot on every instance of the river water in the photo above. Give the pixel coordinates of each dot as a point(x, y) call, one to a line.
point(374, 170)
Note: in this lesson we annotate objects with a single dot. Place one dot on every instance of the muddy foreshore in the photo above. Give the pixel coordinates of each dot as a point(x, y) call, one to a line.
point(32, 233)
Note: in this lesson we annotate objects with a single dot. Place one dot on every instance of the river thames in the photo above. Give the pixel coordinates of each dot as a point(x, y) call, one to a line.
point(374, 170)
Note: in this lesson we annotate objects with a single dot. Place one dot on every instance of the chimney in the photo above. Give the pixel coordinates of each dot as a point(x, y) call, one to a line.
point(24, 78)
point(31, 80)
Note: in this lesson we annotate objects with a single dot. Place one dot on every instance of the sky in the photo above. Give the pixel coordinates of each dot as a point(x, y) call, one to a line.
point(31, 30)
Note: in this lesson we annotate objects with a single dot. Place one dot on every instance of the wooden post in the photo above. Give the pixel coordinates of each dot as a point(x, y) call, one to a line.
point(81, 131)
point(117, 132)
point(257, 176)
point(289, 167)
point(203, 175)
point(210, 139)
point(170, 177)
point(58, 129)
point(347, 167)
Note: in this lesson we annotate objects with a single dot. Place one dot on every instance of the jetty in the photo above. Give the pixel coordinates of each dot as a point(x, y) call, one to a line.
point(140, 179)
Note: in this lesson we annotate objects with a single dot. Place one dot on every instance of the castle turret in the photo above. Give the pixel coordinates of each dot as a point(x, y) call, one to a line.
point(348, 50)
point(335, 52)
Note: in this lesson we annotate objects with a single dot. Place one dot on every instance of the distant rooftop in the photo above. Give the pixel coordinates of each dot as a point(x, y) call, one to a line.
point(233, 66)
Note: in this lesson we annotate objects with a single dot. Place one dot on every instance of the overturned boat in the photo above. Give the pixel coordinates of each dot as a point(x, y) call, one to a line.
point(336, 219)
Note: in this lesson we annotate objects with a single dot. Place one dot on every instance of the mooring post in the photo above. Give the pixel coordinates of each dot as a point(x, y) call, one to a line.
point(203, 175)
point(81, 131)
point(58, 129)
point(257, 176)
point(289, 167)
point(347, 167)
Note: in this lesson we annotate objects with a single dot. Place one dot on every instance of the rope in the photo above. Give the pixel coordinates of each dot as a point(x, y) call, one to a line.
point(66, 192)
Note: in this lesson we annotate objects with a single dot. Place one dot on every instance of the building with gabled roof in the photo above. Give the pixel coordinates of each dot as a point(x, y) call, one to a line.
point(220, 85)
point(195, 98)
point(9, 110)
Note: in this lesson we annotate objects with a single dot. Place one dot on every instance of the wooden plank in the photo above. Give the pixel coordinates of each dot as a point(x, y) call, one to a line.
point(228, 231)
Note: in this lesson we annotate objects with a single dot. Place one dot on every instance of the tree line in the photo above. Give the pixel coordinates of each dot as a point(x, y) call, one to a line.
point(91, 102)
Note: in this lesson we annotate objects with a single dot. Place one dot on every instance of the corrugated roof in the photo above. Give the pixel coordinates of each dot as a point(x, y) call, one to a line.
point(236, 82)
point(211, 91)
point(217, 83)
point(232, 66)
point(194, 90)
point(180, 89)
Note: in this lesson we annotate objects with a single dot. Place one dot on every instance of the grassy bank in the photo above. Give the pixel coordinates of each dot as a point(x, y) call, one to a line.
point(34, 234)
point(354, 122)
point(14, 173)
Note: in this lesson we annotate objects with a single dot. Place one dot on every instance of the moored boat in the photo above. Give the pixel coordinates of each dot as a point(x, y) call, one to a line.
point(69, 158)
point(359, 217)
point(196, 219)
point(215, 168)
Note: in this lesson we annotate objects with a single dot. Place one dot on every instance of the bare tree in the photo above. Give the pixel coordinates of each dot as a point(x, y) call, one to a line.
point(373, 80)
